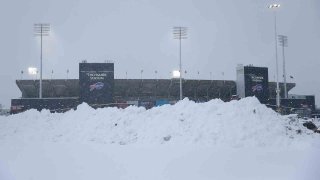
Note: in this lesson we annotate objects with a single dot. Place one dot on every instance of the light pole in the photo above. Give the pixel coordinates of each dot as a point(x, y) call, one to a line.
point(274, 7)
point(223, 78)
point(21, 74)
point(41, 30)
point(141, 74)
point(67, 74)
point(283, 41)
point(156, 73)
point(180, 33)
point(198, 75)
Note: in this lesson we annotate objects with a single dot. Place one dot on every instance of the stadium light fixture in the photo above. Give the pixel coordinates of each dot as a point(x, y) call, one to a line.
point(41, 29)
point(32, 70)
point(274, 7)
point(176, 74)
point(180, 33)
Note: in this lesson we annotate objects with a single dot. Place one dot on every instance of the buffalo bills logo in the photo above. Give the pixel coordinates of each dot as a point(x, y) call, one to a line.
point(97, 86)
point(257, 88)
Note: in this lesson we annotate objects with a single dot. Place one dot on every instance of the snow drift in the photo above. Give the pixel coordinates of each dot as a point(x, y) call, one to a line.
point(244, 123)
point(214, 140)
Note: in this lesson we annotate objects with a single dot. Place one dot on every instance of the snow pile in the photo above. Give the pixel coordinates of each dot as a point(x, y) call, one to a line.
point(215, 123)
point(184, 141)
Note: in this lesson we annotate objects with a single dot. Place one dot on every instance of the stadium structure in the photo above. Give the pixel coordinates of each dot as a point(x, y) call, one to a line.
point(97, 87)
point(141, 89)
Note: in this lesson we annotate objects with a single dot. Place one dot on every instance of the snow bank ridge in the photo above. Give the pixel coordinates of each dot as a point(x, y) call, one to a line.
point(215, 123)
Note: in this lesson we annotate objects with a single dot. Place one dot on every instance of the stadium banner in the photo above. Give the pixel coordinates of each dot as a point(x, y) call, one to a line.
point(256, 82)
point(96, 82)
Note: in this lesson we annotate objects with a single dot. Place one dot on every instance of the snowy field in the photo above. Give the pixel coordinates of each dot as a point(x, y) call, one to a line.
point(214, 140)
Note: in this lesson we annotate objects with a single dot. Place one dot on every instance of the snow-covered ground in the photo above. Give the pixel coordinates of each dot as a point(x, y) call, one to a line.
point(214, 140)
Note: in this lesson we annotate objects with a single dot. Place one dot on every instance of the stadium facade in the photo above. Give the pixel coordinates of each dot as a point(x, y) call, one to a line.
point(97, 87)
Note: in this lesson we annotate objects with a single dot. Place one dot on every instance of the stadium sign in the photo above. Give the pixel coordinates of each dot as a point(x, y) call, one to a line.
point(96, 81)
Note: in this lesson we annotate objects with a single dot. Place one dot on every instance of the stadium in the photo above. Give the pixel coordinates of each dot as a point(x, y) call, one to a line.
point(64, 94)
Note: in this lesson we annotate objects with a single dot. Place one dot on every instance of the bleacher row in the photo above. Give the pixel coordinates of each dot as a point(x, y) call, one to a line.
point(142, 89)
point(148, 89)
point(57, 88)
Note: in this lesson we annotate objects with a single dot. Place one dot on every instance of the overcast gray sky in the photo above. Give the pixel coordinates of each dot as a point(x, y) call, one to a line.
point(137, 34)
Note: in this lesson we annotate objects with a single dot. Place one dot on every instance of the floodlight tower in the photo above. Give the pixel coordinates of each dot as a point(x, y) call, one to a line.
point(274, 8)
point(41, 29)
point(283, 41)
point(180, 33)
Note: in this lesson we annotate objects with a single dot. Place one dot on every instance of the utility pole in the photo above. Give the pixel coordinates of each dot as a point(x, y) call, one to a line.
point(180, 33)
point(41, 30)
